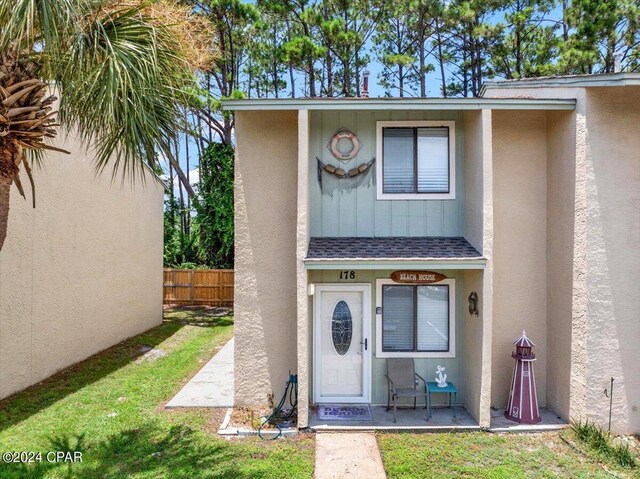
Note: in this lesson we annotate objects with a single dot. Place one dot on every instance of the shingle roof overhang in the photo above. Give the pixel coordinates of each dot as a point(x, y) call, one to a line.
point(393, 252)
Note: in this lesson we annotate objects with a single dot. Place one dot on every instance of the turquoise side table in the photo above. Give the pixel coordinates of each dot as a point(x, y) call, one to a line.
point(432, 387)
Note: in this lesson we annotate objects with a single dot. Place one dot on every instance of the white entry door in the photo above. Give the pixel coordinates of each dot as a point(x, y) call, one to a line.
point(342, 344)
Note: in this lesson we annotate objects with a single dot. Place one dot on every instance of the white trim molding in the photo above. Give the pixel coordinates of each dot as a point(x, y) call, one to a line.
point(451, 125)
point(401, 104)
point(415, 354)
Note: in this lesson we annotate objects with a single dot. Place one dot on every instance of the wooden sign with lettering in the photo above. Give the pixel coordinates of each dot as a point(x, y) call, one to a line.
point(421, 277)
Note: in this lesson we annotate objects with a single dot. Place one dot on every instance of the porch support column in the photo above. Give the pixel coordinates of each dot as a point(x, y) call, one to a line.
point(484, 419)
point(302, 242)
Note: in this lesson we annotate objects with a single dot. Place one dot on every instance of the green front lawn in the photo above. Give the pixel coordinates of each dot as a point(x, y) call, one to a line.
point(492, 456)
point(111, 408)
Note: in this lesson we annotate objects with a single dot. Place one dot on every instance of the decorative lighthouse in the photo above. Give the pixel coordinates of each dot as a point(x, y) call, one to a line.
point(523, 399)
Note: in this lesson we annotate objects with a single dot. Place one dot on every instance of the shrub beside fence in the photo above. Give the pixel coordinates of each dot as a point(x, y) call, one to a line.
point(210, 287)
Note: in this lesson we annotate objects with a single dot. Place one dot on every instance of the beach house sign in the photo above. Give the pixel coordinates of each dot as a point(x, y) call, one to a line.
point(420, 277)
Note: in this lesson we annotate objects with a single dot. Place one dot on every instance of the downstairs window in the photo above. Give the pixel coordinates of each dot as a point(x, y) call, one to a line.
point(416, 320)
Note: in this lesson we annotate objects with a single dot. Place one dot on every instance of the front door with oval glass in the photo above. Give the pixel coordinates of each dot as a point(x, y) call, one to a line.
point(342, 346)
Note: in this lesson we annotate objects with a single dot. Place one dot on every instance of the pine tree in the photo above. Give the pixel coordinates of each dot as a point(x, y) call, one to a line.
point(266, 67)
point(302, 49)
point(234, 23)
point(600, 29)
point(471, 34)
point(346, 28)
point(525, 44)
point(395, 48)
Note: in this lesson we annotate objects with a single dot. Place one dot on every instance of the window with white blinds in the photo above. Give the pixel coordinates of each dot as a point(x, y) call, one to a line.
point(398, 318)
point(415, 318)
point(432, 320)
point(415, 160)
point(398, 165)
point(433, 160)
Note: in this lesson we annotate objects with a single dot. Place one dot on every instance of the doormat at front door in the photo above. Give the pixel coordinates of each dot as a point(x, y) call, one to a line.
point(344, 413)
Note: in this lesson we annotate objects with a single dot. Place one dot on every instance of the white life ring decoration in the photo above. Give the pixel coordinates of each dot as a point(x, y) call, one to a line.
point(344, 155)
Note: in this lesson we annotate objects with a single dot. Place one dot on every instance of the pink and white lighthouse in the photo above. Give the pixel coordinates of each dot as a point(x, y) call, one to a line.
point(523, 399)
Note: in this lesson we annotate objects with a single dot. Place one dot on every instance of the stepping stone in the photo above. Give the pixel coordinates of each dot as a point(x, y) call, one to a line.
point(348, 455)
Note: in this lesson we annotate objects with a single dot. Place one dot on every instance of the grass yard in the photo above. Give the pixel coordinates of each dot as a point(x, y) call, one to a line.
point(110, 407)
point(492, 456)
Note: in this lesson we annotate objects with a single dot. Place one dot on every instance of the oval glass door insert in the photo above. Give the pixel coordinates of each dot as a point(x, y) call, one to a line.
point(341, 327)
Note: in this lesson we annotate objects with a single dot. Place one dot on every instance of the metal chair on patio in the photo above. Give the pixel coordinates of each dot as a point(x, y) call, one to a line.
point(403, 382)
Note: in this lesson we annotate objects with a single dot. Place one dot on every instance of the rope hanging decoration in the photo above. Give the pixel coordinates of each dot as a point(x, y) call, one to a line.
point(340, 173)
point(335, 174)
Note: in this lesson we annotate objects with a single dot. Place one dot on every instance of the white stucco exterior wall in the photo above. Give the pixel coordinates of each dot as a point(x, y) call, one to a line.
point(612, 253)
point(478, 230)
point(520, 225)
point(561, 153)
point(80, 272)
point(606, 252)
point(266, 263)
point(302, 242)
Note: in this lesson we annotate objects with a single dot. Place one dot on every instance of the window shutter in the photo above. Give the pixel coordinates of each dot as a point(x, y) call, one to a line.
point(397, 173)
point(433, 160)
point(397, 318)
point(433, 318)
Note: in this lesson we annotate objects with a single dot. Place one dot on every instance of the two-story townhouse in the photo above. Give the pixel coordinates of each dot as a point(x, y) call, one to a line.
point(439, 229)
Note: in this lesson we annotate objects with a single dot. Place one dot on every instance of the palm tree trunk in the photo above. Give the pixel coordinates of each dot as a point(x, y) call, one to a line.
point(5, 190)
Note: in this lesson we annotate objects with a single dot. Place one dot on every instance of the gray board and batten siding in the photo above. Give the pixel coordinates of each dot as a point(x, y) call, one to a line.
point(355, 211)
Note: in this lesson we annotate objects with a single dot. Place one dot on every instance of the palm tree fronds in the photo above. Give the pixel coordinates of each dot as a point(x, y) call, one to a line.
point(122, 81)
point(26, 23)
point(124, 69)
point(26, 113)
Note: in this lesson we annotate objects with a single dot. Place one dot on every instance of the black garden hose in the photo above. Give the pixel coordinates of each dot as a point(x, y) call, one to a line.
point(278, 414)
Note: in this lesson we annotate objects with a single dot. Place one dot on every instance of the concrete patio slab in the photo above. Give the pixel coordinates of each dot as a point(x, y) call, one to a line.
point(550, 422)
point(212, 386)
point(409, 419)
point(348, 455)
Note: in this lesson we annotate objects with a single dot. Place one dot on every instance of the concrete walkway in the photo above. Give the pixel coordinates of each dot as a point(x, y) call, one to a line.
point(212, 386)
point(348, 455)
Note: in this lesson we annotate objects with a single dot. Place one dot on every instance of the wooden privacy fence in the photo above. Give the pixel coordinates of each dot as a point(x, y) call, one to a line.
point(211, 287)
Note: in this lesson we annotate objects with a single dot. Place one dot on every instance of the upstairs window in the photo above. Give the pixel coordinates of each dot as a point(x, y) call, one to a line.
point(417, 160)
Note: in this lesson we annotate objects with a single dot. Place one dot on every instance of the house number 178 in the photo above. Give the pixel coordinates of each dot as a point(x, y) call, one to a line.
point(347, 275)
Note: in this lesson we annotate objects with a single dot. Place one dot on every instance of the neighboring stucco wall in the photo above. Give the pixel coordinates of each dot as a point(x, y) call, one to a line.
point(266, 178)
point(80, 272)
point(561, 140)
point(520, 225)
point(613, 254)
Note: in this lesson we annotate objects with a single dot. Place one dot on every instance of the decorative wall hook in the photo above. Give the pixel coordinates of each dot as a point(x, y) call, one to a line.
point(473, 303)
